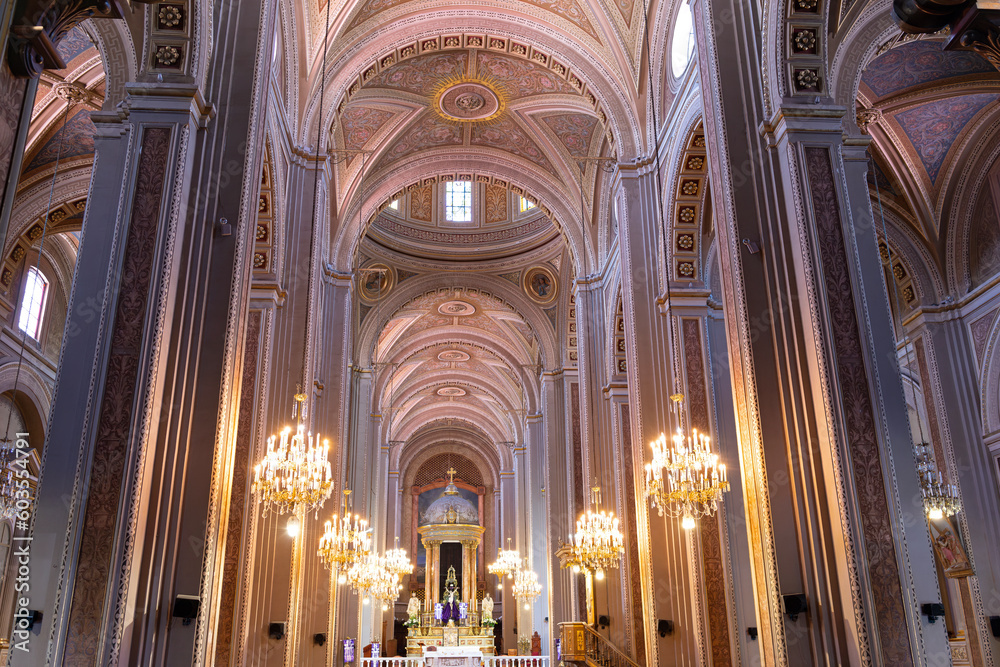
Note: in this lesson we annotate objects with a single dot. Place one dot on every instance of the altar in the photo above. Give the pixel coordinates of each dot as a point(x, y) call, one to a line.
point(450, 617)
point(453, 656)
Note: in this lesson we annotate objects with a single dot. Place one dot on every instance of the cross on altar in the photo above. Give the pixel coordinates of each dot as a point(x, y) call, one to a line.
point(451, 475)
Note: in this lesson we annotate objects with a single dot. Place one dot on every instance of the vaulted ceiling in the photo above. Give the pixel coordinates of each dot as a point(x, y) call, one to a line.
point(932, 109)
point(512, 90)
point(455, 357)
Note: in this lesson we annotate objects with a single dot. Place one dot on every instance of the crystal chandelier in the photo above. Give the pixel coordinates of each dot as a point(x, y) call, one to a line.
point(508, 562)
point(371, 577)
point(294, 475)
point(8, 484)
point(685, 478)
point(526, 587)
point(598, 543)
point(397, 561)
point(940, 499)
point(346, 541)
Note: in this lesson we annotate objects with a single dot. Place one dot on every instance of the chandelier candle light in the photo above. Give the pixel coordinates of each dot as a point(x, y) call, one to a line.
point(508, 563)
point(294, 476)
point(526, 587)
point(598, 543)
point(685, 478)
point(346, 540)
point(397, 561)
point(940, 499)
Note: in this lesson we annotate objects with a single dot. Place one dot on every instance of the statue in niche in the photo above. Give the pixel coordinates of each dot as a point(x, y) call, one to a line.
point(452, 597)
point(413, 609)
point(487, 609)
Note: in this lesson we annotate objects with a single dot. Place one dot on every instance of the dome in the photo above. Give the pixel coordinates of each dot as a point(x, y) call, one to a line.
point(451, 508)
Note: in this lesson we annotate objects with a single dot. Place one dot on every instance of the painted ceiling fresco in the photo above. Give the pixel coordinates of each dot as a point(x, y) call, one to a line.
point(569, 10)
point(454, 354)
point(426, 79)
point(918, 63)
point(73, 44)
point(930, 99)
point(77, 137)
point(360, 124)
point(933, 127)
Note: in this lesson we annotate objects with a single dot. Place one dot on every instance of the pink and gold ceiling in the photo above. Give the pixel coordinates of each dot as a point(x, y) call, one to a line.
point(454, 355)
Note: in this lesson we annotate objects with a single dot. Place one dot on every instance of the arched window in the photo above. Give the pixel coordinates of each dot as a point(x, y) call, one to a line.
point(682, 47)
point(36, 288)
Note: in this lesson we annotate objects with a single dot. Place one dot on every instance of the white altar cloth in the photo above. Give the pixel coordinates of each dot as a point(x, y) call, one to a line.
point(453, 656)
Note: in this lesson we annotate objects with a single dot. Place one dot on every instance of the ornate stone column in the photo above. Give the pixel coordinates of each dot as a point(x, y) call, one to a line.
point(826, 458)
point(467, 593)
point(602, 455)
point(431, 576)
point(332, 341)
point(945, 358)
point(508, 518)
point(136, 473)
point(668, 580)
point(558, 498)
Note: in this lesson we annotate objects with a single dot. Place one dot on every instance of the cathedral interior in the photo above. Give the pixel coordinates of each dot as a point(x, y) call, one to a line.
point(511, 333)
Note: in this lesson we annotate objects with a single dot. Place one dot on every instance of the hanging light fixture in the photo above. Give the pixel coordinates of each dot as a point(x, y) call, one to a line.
point(507, 564)
point(940, 498)
point(346, 540)
point(526, 587)
point(598, 544)
point(8, 486)
point(294, 475)
point(397, 561)
point(373, 577)
point(685, 478)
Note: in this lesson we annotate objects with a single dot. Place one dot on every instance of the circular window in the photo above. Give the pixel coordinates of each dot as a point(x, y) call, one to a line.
point(682, 47)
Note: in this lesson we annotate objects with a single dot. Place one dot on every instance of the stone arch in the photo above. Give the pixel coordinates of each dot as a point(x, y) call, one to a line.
point(433, 442)
point(26, 233)
point(115, 44)
point(487, 163)
point(33, 398)
point(72, 186)
point(619, 358)
point(989, 395)
point(661, 47)
point(685, 196)
point(431, 451)
point(266, 249)
point(970, 190)
point(907, 248)
point(854, 46)
point(421, 285)
point(594, 69)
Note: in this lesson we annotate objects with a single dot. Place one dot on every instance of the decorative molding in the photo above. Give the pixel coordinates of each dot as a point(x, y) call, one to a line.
point(240, 491)
point(118, 406)
point(713, 564)
point(631, 481)
point(859, 415)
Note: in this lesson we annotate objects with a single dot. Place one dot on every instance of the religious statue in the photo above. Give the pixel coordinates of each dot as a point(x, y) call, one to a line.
point(413, 610)
point(487, 609)
point(452, 597)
